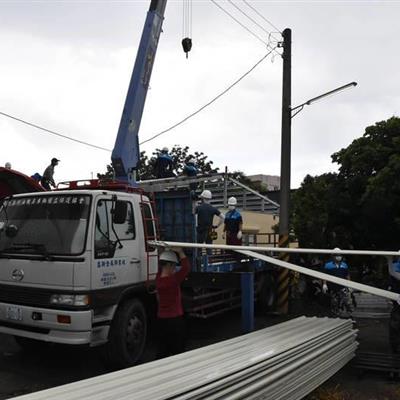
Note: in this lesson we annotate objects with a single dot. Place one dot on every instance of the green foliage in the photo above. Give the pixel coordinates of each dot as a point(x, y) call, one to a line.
point(360, 205)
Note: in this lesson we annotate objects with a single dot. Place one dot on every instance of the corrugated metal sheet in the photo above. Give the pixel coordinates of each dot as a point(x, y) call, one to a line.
point(285, 361)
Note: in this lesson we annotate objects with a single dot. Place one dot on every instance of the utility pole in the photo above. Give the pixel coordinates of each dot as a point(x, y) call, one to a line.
point(283, 279)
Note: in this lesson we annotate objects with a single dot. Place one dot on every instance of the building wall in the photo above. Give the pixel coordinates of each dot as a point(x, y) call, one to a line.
point(253, 223)
point(271, 182)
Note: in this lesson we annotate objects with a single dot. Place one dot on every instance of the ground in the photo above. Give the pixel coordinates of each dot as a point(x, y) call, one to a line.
point(22, 372)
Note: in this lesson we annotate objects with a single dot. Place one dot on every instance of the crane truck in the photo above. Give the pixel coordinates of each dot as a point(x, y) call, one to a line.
point(76, 266)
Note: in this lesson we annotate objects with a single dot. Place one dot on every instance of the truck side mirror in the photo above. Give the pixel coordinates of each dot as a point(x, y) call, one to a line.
point(119, 212)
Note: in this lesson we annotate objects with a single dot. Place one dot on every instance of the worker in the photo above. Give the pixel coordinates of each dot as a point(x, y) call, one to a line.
point(394, 323)
point(205, 218)
point(36, 177)
point(163, 167)
point(47, 178)
point(190, 171)
point(171, 325)
point(336, 267)
point(233, 224)
point(7, 165)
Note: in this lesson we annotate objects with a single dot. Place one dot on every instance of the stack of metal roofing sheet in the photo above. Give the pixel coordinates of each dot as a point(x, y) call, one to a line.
point(370, 306)
point(286, 361)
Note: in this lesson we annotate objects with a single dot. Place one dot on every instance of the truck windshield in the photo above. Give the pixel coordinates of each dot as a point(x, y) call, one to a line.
point(49, 224)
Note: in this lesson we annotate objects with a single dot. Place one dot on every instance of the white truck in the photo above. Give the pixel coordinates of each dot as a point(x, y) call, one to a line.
point(74, 269)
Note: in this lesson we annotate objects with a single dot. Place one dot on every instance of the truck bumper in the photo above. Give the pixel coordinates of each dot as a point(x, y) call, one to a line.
point(43, 324)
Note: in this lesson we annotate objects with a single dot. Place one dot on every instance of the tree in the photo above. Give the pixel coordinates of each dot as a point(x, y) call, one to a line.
point(360, 205)
point(180, 155)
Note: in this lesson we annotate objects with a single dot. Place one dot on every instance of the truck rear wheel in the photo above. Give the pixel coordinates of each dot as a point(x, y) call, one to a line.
point(127, 336)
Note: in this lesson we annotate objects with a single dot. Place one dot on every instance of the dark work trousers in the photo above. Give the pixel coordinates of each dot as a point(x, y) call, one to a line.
point(171, 336)
point(45, 184)
point(203, 236)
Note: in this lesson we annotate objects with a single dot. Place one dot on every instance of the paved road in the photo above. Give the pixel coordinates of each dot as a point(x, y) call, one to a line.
point(22, 372)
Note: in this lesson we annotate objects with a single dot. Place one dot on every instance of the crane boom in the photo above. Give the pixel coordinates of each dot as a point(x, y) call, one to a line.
point(125, 155)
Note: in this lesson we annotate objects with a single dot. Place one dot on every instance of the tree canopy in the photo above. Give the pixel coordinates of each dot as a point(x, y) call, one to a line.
point(359, 206)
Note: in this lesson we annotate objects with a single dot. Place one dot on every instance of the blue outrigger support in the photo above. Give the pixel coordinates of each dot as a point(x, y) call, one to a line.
point(247, 286)
point(126, 153)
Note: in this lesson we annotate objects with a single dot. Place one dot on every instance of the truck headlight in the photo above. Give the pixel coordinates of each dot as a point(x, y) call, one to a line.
point(70, 299)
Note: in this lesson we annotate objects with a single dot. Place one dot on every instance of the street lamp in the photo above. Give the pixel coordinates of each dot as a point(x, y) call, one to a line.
point(321, 96)
point(287, 115)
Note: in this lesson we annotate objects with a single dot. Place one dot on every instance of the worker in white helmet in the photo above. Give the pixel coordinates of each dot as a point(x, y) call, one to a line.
point(164, 166)
point(336, 267)
point(7, 165)
point(205, 218)
point(171, 325)
point(233, 224)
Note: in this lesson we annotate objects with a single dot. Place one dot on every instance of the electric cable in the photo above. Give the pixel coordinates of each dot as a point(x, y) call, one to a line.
point(211, 101)
point(248, 16)
point(253, 20)
point(262, 16)
point(241, 24)
point(53, 132)
point(154, 136)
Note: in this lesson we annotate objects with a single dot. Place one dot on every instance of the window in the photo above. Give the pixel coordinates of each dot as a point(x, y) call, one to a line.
point(52, 224)
point(107, 232)
point(148, 225)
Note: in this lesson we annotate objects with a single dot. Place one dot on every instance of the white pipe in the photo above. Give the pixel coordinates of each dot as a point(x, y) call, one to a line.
point(306, 271)
point(276, 249)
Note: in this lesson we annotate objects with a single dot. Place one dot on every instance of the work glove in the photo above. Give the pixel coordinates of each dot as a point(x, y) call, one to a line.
point(324, 288)
point(239, 235)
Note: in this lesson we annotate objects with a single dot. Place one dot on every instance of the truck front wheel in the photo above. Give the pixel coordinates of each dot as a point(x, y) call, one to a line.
point(127, 336)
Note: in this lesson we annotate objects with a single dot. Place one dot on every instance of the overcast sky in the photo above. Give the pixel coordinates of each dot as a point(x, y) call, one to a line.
point(66, 66)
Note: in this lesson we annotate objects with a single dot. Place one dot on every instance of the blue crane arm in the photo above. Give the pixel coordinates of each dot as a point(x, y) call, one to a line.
point(126, 155)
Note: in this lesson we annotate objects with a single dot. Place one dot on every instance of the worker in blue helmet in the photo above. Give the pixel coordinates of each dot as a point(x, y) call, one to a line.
point(163, 167)
point(394, 322)
point(191, 171)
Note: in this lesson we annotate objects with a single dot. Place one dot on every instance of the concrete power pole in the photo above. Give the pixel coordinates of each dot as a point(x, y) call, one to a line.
point(283, 280)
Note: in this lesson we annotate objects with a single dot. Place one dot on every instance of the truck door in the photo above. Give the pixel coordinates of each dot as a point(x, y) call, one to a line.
point(149, 253)
point(116, 255)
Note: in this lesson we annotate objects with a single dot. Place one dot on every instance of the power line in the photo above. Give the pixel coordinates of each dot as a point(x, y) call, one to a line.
point(237, 21)
point(53, 132)
point(248, 16)
point(154, 136)
point(211, 101)
point(262, 16)
point(270, 34)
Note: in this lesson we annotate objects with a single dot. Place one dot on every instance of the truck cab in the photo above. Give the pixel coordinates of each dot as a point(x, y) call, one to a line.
point(71, 260)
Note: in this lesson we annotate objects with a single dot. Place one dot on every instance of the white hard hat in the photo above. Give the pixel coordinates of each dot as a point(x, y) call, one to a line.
point(336, 248)
point(191, 161)
point(206, 194)
point(8, 165)
point(232, 201)
point(164, 149)
point(169, 256)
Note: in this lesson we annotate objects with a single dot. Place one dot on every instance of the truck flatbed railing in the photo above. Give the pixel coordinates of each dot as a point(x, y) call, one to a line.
point(222, 186)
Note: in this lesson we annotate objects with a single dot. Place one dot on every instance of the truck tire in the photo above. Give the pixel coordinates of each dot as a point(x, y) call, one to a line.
point(128, 333)
point(267, 293)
